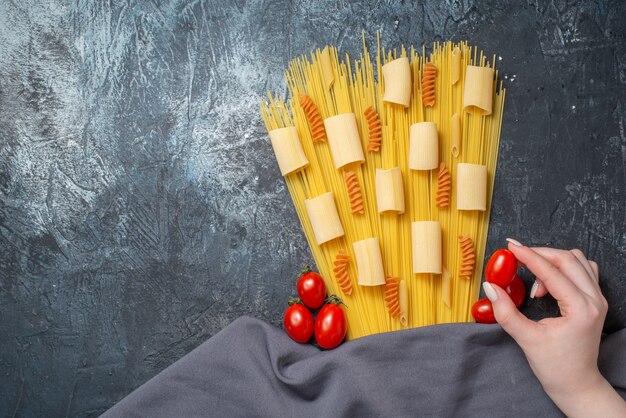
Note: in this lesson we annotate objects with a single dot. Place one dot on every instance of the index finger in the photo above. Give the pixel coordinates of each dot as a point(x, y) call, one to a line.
point(571, 266)
point(557, 284)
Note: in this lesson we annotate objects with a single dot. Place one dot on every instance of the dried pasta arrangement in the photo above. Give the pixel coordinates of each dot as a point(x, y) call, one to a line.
point(392, 177)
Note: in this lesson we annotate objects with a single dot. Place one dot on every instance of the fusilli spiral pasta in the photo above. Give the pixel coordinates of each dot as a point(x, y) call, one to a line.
point(315, 120)
point(354, 192)
point(428, 84)
point(443, 186)
point(375, 130)
point(341, 271)
point(468, 257)
point(392, 293)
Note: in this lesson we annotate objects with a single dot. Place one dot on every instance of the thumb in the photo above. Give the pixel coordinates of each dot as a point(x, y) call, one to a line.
point(510, 319)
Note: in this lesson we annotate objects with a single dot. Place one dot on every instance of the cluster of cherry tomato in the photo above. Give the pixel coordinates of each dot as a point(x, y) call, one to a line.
point(501, 270)
point(329, 325)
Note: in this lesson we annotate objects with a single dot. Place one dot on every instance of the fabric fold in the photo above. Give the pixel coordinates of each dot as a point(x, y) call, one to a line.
point(251, 368)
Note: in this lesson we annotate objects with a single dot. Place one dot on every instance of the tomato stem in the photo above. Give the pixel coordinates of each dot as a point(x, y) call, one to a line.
point(306, 269)
point(335, 300)
point(294, 301)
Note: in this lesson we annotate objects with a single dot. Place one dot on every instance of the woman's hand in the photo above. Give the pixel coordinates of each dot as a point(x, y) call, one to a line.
point(563, 351)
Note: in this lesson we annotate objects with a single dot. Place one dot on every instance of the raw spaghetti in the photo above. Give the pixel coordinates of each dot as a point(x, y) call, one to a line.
point(354, 89)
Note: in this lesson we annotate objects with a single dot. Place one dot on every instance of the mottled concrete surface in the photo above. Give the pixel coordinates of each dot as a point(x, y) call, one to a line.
point(141, 209)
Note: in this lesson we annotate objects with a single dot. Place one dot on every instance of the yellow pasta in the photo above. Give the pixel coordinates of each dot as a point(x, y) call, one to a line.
point(455, 143)
point(381, 243)
point(403, 299)
point(327, 68)
point(456, 65)
point(446, 287)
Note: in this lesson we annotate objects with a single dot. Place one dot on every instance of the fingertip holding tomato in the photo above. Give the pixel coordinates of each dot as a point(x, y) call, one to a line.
point(482, 310)
point(501, 268)
point(298, 321)
point(311, 289)
point(330, 324)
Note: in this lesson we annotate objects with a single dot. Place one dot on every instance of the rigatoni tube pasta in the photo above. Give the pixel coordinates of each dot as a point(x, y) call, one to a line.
point(397, 76)
point(424, 146)
point(324, 218)
point(369, 262)
point(471, 187)
point(389, 190)
point(478, 94)
point(426, 245)
point(288, 150)
point(344, 140)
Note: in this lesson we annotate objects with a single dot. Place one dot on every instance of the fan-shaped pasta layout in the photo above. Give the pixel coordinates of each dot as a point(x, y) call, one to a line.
point(401, 264)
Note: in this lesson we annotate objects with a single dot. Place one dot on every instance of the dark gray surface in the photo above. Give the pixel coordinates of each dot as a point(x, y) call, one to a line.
point(141, 209)
point(251, 369)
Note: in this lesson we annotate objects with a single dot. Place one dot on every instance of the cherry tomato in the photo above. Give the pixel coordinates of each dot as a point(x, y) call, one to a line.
point(501, 268)
point(482, 311)
point(298, 321)
point(311, 289)
point(517, 291)
point(330, 324)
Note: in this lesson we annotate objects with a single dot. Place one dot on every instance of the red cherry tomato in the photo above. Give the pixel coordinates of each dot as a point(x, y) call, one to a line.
point(311, 289)
point(517, 291)
point(298, 322)
point(501, 268)
point(482, 311)
point(330, 324)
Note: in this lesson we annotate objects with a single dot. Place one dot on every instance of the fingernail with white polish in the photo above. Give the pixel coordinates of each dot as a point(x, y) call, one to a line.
point(514, 242)
point(490, 291)
point(533, 290)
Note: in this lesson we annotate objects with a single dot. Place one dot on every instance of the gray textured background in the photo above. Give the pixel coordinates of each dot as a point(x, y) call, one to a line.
point(141, 209)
